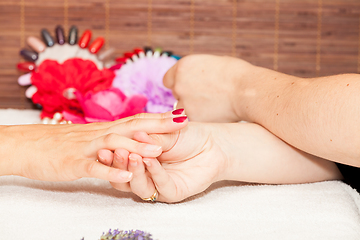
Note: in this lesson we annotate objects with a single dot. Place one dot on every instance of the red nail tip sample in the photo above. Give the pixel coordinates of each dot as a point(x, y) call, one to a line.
point(129, 54)
point(138, 50)
point(121, 59)
point(26, 66)
point(85, 39)
point(96, 45)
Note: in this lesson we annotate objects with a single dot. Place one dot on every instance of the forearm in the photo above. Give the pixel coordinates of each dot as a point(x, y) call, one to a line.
point(7, 160)
point(256, 155)
point(319, 116)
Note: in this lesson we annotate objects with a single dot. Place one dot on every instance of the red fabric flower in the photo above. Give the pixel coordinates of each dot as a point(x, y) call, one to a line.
point(106, 105)
point(53, 79)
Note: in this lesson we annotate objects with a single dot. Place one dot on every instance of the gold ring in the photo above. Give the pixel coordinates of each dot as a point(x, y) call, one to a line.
point(153, 197)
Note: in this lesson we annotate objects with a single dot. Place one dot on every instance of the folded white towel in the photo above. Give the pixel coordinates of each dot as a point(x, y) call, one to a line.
point(32, 209)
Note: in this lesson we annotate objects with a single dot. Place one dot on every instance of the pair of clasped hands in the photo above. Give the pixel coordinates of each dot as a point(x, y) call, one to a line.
point(174, 158)
point(137, 154)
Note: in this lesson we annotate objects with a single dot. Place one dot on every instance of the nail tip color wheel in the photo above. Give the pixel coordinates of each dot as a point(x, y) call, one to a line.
point(73, 79)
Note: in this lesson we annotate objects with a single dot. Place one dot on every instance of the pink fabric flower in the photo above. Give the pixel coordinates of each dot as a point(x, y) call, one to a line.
point(106, 105)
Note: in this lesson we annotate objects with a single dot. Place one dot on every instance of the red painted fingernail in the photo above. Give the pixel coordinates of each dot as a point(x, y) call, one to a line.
point(177, 111)
point(179, 119)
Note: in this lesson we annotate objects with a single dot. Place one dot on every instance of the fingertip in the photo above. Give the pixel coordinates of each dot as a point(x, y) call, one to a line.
point(147, 162)
point(124, 176)
point(134, 159)
point(121, 159)
point(105, 157)
point(181, 119)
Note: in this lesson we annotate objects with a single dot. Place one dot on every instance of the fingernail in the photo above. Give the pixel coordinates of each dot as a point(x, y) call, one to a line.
point(179, 119)
point(133, 160)
point(125, 174)
point(101, 159)
point(177, 111)
point(152, 148)
point(133, 163)
point(118, 158)
point(147, 162)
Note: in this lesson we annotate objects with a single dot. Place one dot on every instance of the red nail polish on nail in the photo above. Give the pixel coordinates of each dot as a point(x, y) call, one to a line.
point(177, 111)
point(179, 119)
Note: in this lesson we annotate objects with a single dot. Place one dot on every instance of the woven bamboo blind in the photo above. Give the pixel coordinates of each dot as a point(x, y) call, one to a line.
point(305, 38)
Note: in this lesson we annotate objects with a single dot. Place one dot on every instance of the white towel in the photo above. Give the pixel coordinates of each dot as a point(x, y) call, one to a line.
point(86, 208)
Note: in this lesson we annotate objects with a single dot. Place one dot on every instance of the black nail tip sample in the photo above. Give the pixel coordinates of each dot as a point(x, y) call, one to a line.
point(60, 36)
point(73, 35)
point(29, 55)
point(148, 49)
point(49, 41)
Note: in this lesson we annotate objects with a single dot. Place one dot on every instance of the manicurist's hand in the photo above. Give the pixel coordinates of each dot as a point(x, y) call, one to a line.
point(190, 163)
point(203, 153)
point(205, 86)
point(69, 152)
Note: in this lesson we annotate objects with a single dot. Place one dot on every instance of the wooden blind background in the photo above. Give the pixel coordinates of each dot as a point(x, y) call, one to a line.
point(305, 38)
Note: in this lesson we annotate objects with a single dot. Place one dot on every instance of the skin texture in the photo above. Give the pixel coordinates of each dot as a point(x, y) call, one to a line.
point(203, 85)
point(319, 115)
point(203, 153)
point(69, 152)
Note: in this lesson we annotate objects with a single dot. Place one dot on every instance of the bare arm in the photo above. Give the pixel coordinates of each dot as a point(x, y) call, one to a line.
point(204, 153)
point(256, 155)
point(68, 152)
point(320, 116)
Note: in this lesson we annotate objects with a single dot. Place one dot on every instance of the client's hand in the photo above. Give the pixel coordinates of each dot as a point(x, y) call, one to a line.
point(190, 163)
point(69, 152)
point(203, 153)
point(205, 86)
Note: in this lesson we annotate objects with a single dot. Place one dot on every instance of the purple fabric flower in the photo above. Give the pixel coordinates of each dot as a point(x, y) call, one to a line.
point(145, 77)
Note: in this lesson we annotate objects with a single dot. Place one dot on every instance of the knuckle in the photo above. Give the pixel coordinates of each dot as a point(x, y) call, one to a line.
point(111, 137)
point(132, 124)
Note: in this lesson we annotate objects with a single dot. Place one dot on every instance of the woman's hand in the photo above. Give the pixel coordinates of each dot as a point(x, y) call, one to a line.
point(203, 153)
point(191, 161)
point(69, 152)
point(205, 86)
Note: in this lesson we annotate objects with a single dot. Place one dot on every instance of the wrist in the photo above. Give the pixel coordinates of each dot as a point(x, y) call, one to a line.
point(229, 138)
